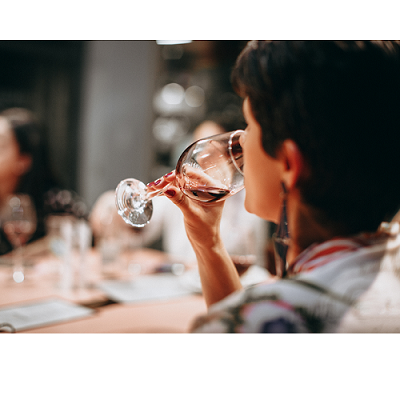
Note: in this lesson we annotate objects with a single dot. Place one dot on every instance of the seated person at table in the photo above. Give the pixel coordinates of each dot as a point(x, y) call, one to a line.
point(321, 151)
point(24, 168)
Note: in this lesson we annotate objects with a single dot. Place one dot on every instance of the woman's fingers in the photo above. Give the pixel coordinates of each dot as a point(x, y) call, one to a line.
point(194, 175)
point(170, 176)
point(160, 183)
point(167, 184)
point(201, 219)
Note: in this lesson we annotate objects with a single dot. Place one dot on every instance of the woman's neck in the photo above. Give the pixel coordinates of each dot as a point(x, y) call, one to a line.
point(305, 230)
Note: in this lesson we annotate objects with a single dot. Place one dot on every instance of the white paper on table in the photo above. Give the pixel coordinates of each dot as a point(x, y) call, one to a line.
point(255, 274)
point(42, 313)
point(144, 288)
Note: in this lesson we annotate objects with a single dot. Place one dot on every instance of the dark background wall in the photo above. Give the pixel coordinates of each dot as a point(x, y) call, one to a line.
point(98, 102)
point(45, 76)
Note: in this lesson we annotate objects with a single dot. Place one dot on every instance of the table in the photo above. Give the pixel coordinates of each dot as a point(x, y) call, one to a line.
point(174, 315)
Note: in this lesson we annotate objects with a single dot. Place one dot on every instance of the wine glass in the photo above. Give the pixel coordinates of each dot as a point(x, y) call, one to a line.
point(209, 170)
point(19, 224)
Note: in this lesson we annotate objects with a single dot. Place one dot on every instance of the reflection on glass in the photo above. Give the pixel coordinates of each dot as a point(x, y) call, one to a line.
point(209, 170)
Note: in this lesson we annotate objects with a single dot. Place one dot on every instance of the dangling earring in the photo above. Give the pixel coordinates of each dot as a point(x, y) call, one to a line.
point(282, 238)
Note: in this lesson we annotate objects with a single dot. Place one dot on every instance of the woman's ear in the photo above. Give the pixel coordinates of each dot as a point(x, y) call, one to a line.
point(293, 163)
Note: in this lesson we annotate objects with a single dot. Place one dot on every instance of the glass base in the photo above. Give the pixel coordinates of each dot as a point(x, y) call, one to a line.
point(131, 202)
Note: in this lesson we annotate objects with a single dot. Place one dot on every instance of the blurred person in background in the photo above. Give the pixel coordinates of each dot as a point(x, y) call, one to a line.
point(320, 151)
point(243, 233)
point(106, 223)
point(24, 168)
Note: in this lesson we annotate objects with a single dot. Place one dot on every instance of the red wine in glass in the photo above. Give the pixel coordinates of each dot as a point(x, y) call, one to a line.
point(209, 170)
point(206, 194)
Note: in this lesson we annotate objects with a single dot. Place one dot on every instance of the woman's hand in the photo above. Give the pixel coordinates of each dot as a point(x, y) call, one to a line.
point(218, 275)
point(202, 220)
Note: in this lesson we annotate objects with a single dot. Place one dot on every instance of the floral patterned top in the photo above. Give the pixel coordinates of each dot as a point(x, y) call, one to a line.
point(342, 285)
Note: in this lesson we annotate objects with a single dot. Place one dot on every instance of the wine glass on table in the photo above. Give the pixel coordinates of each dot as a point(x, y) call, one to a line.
point(19, 223)
point(245, 255)
point(209, 170)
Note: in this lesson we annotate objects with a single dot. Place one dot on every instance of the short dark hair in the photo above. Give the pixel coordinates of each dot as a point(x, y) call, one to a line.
point(32, 140)
point(340, 103)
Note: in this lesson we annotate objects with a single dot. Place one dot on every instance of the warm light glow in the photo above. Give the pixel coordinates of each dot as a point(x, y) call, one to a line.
point(168, 130)
point(194, 96)
point(15, 202)
point(18, 276)
point(173, 93)
point(171, 42)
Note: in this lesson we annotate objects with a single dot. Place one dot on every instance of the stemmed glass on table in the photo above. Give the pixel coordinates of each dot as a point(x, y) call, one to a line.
point(209, 170)
point(18, 217)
